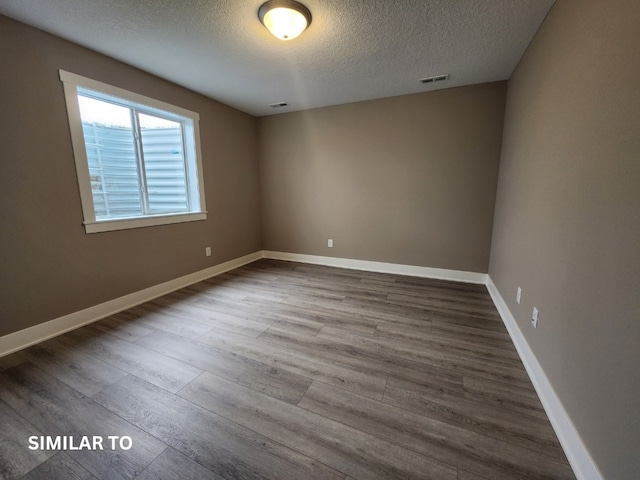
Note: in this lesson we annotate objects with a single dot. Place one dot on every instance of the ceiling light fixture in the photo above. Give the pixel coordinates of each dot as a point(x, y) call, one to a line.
point(285, 19)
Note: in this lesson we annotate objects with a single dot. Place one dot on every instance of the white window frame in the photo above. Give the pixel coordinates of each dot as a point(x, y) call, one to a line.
point(71, 82)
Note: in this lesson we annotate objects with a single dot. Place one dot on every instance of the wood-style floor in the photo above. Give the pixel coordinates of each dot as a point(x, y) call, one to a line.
point(283, 371)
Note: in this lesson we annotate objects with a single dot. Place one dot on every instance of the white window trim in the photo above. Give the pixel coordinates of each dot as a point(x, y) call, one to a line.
point(71, 82)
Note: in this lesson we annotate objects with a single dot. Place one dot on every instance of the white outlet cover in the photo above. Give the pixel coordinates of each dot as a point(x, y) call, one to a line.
point(330, 242)
point(534, 317)
point(519, 295)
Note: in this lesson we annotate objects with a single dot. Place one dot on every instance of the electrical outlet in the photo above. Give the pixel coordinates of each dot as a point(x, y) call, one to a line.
point(519, 295)
point(330, 243)
point(534, 317)
point(207, 251)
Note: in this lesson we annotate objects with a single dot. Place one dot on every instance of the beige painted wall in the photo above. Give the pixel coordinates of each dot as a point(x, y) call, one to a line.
point(407, 180)
point(49, 266)
point(567, 222)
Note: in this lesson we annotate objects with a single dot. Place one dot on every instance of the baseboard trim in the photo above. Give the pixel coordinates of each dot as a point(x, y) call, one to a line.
point(583, 465)
point(369, 266)
point(44, 331)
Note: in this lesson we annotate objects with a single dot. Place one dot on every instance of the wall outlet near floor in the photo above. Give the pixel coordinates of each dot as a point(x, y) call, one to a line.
point(207, 251)
point(519, 295)
point(330, 243)
point(534, 317)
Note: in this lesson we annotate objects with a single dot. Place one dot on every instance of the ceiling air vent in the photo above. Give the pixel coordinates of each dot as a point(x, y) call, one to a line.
point(437, 78)
point(279, 105)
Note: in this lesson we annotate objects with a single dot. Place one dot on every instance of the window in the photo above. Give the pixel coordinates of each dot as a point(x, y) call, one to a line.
point(137, 159)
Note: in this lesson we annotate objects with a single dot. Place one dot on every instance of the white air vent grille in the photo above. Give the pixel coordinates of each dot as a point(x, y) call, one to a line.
point(436, 78)
point(279, 105)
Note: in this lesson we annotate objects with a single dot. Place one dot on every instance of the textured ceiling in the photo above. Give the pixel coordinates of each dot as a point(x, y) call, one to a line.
point(354, 49)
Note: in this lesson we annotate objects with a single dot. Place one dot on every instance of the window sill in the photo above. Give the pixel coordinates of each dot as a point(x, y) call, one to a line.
point(140, 222)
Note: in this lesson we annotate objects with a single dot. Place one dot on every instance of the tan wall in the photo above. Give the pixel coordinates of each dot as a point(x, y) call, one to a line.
point(567, 222)
point(407, 180)
point(49, 266)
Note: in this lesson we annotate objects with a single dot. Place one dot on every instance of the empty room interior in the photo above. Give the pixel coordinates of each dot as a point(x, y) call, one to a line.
point(400, 240)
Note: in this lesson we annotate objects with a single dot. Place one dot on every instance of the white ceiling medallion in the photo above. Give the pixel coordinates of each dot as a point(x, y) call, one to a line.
point(285, 19)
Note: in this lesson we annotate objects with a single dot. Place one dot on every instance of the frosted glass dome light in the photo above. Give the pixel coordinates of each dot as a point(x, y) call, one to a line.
point(285, 19)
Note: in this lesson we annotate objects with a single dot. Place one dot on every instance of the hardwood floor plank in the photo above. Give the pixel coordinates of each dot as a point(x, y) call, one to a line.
point(461, 320)
point(475, 307)
point(449, 292)
point(430, 284)
point(305, 364)
point(224, 315)
point(59, 467)
point(222, 446)
point(463, 475)
point(336, 314)
point(352, 313)
point(522, 430)
point(57, 410)
point(497, 458)
point(318, 316)
point(316, 436)
point(12, 360)
point(315, 290)
point(364, 361)
point(468, 346)
point(172, 465)
point(271, 380)
point(227, 286)
point(261, 314)
point(158, 318)
point(518, 399)
point(231, 319)
point(493, 337)
point(404, 332)
point(158, 369)
point(509, 371)
point(86, 374)
point(436, 342)
point(15, 457)
point(122, 327)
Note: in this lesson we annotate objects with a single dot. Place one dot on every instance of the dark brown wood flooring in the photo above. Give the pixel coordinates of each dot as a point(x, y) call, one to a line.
point(280, 370)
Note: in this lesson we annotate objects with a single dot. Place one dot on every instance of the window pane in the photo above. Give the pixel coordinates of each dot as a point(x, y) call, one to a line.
point(136, 157)
point(164, 164)
point(113, 169)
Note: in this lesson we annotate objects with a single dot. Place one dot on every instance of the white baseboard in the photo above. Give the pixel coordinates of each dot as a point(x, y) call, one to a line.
point(395, 268)
point(583, 465)
point(44, 331)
